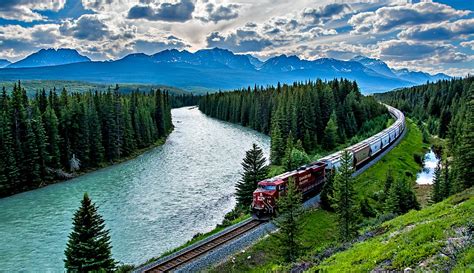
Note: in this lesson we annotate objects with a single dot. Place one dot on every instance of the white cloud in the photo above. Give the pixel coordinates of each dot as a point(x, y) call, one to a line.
point(26, 10)
point(459, 29)
point(399, 16)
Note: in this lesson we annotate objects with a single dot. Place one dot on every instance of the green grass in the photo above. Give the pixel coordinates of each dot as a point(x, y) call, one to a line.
point(400, 160)
point(411, 239)
point(319, 230)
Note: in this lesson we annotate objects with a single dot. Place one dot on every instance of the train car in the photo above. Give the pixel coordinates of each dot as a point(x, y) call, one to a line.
point(375, 145)
point(385, 139)
point(308, 179)
point(361, 153)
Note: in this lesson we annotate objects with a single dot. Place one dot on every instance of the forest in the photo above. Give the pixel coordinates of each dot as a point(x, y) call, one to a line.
point(313, 116)
point(51, 136)
point(444, 109)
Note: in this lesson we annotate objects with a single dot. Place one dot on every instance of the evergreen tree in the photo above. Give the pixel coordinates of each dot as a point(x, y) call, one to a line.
point(401, 198)
point(344, 197)
point(330, 134)
point(255, 171)
point(277, 145)
point(52, 132)
point(446, 189)
point(289, 222)
point(436, 193)
point(327, 192)
point(89, 247)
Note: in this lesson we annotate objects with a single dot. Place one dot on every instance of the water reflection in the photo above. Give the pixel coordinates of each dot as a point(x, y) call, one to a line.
point(425, 177)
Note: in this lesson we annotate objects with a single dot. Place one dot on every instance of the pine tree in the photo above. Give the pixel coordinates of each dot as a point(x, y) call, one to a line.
point(52, 132)
point(288, 159)
point(255, 171)
point(89, 247)
point(401, 198)
point(330, 134)
point(289, 222)
point(327, 192)
point(436, 193)
point(344, 197)
point(277, 145)
point(446, 188)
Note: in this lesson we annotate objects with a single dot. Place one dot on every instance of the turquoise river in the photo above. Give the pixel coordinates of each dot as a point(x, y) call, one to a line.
point(151, 204)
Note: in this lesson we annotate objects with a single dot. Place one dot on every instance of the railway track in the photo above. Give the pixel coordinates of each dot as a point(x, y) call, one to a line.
point(182, 257)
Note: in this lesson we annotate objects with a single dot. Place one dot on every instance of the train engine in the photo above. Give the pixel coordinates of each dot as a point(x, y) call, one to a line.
point(308, 180)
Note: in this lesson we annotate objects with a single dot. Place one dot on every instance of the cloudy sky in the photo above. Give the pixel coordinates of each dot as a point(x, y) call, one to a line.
point(433, 36)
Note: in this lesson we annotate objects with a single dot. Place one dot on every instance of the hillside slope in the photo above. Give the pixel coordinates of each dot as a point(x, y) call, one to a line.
point(436, 238)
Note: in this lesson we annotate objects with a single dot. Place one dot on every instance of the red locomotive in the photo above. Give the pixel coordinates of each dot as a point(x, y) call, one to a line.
point(310, 178)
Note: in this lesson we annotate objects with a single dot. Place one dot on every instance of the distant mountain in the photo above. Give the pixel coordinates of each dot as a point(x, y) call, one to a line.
point(411, 76)
point(257, 63)
point(50, 57)
point(4, 63)
point(419, 77)
point(213, 69)
point(375, 64)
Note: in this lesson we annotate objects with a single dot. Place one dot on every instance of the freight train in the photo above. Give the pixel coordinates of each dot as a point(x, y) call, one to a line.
point(310, 178)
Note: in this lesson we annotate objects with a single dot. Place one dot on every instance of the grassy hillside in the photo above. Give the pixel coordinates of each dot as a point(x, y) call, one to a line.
point(32, 86)
point(437, 238)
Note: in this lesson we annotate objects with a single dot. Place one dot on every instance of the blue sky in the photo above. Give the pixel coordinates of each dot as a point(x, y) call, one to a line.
point(433, 36)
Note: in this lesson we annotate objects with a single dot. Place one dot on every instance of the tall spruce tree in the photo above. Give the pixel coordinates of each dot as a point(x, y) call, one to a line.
point(330, 134)
point(436, 192)
point(289, 222)
point(89, 247)
point(327, 192)
point(255, 170)
point(344, 198)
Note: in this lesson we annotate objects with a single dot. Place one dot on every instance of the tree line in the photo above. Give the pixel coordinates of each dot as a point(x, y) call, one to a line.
point(319, 115)
point(446, 109)
point(50, 136)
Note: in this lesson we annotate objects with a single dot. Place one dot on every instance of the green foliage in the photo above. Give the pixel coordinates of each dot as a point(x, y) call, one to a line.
point(289, 222)
point(401, 198)
point(255, 170)
point(44, 136)
point(89, 247)
point(399, 162)
point(343, 198)
point(446, 107)
point(301, 111)
point(330, 134)
point(437, 193)
point(327, 192)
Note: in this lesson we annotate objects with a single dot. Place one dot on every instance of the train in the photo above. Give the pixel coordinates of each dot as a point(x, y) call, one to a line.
point(310, 178)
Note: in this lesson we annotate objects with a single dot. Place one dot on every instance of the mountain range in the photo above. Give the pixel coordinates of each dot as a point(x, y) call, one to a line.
point(209, 70)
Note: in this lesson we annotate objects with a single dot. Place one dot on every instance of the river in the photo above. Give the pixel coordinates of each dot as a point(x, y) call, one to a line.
point(151, 204)
point(426, 175)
